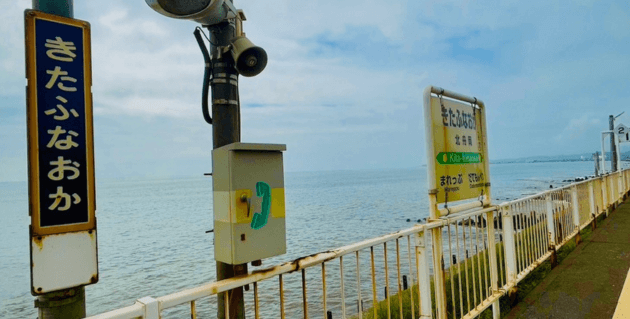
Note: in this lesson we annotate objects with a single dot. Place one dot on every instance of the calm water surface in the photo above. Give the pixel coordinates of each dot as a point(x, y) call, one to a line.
point(152, 237)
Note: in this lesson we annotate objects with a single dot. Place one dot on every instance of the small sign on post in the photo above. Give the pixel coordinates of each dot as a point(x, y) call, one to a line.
point(60, 152)
point(457, 153)
point(623, 133)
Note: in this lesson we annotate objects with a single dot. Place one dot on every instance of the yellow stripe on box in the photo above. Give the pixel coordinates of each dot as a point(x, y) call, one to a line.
point(277, 203)
point(240, 207)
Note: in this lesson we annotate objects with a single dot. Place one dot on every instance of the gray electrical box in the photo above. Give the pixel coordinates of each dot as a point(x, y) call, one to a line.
point(248, 189)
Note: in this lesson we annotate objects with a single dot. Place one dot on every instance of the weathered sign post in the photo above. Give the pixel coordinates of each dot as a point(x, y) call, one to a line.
point(457, 164)
point(61, 161)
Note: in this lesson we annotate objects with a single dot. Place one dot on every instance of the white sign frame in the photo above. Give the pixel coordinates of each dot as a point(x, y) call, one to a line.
point(435, 212)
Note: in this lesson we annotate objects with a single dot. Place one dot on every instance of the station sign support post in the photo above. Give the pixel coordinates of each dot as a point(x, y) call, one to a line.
point(63, 246)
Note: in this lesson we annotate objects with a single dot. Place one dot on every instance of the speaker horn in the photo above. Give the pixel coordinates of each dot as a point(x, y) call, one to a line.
point(249, 59)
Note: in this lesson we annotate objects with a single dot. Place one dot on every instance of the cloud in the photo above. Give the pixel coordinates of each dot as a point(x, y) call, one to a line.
point(347, 77)
point(12, 47)
point(578, 126)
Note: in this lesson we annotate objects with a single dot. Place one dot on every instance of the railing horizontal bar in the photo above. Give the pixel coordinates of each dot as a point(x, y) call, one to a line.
point(540, 196)
point(484, 305)
point(460, 208)
point(259, 275)
point(136, 310)
point(533, 196)
point(454, 218)
point(568, 238)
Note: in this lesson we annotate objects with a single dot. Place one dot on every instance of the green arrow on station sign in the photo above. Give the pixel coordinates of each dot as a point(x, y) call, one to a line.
point(454, 158)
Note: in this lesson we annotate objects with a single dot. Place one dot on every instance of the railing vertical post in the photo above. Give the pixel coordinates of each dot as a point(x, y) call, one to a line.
point(424, 276)
point(620, 182)
point(610, 191)
point(551, 230)
point(604, 193)
point(591, 199)
point(576, 213)
point(151, 307)
point(620, 186)
point(615, 182)
point(613, 189)
point(438, 259)
point(492, 252)
point(550, 220)
point(438, 272)
point(509, 245)
point(613, 197)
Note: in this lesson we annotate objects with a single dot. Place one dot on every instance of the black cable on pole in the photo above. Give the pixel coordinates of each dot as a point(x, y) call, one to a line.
point(206, 76)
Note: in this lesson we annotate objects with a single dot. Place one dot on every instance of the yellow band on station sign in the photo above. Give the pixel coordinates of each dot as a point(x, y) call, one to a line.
point(459, 151)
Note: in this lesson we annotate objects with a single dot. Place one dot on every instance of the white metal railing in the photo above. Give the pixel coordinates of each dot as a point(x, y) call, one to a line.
point(484, 253)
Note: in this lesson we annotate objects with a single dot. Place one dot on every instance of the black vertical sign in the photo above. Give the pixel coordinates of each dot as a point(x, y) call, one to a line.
point(61, 169)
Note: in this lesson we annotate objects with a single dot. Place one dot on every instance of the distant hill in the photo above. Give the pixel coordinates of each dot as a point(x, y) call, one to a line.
point(585, 157)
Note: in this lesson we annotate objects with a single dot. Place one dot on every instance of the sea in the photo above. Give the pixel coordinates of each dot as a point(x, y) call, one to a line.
point(153, 239)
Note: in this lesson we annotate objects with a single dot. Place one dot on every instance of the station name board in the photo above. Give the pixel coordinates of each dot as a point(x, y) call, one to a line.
point(459, 153)
point(59, 123)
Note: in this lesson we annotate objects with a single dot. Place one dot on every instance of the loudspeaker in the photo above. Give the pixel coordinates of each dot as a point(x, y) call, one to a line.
point(249, 59)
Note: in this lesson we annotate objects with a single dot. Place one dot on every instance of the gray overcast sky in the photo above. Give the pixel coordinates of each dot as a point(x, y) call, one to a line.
point(343, 86)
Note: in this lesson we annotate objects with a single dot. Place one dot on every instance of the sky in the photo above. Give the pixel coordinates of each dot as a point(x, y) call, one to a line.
point(344, 81)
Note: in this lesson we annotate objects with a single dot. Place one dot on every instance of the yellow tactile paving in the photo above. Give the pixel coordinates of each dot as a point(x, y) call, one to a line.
point(623, 305)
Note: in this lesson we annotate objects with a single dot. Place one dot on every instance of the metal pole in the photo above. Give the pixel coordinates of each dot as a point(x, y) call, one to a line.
point(226, 129)
point(66, 303)
point(62, 8)
point(603, 155)
point(613, 149)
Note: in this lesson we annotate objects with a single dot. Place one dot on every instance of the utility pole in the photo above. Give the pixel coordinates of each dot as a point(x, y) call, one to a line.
point(613, 149)
point(231, 54)
point(67, 303)
point(226, 129)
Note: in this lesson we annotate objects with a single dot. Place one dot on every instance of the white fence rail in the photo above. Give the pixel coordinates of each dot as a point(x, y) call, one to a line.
point(484, 253)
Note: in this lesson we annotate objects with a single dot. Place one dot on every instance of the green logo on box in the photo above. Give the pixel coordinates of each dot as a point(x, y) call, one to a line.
point(454, 158)
point(260, 219)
